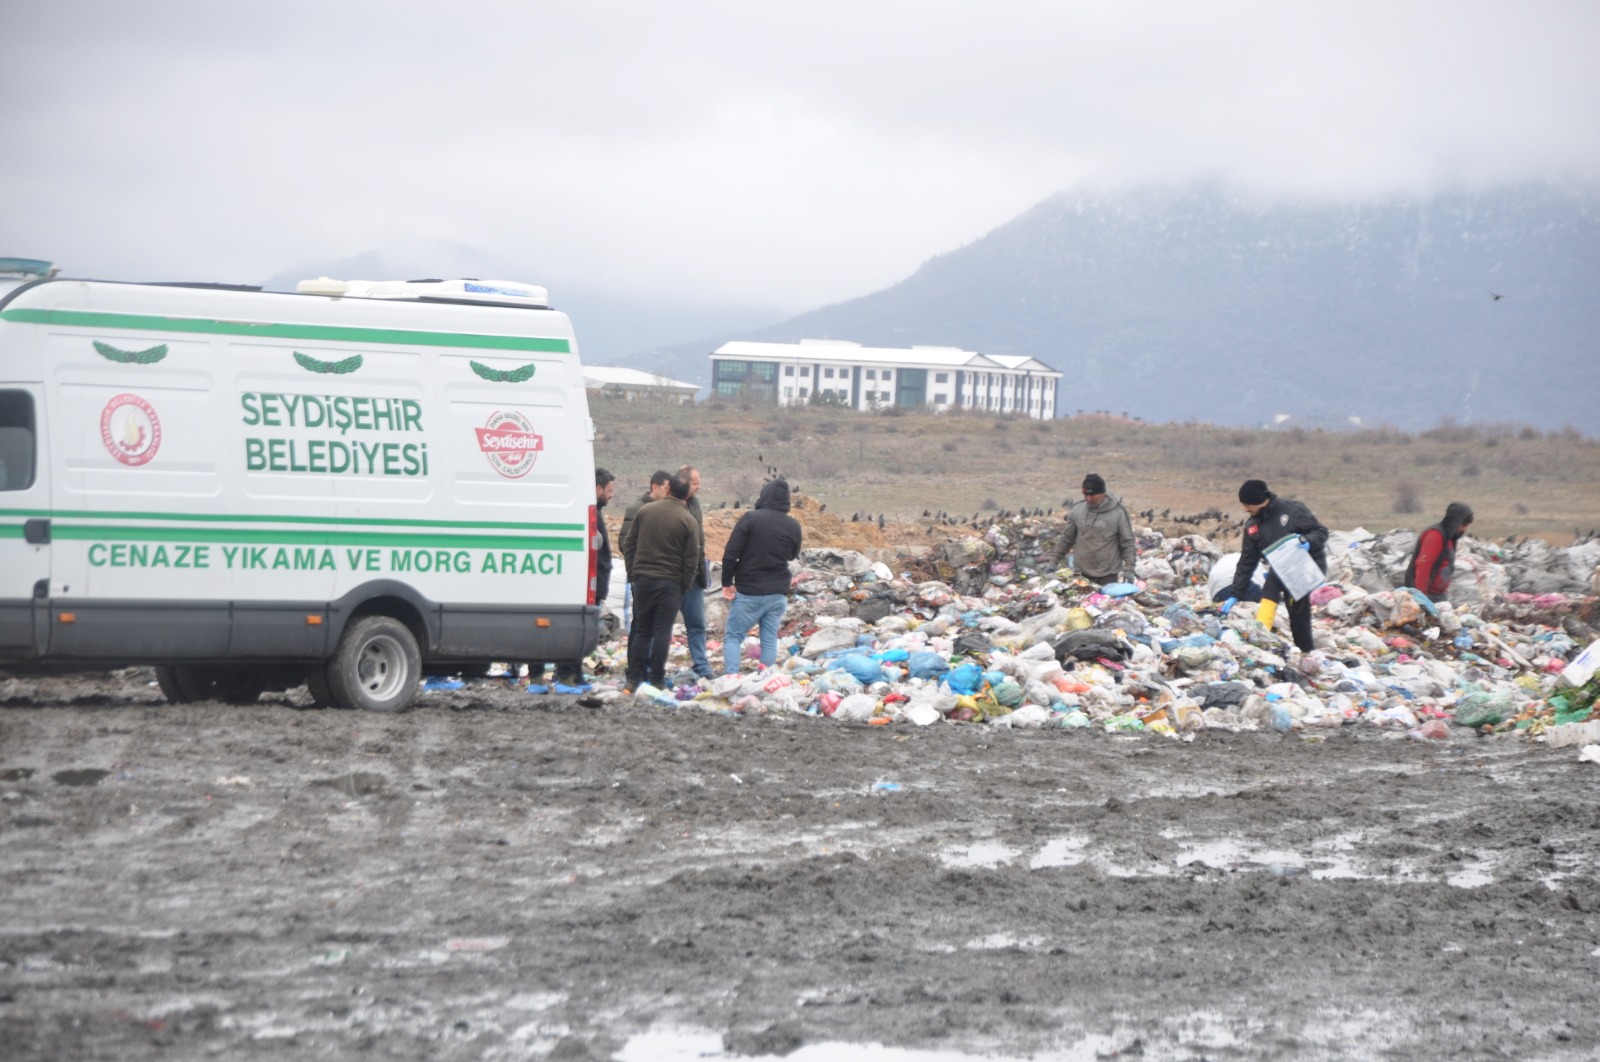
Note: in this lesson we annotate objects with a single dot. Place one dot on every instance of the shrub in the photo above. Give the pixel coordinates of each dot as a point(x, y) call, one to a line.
point(1407, 497)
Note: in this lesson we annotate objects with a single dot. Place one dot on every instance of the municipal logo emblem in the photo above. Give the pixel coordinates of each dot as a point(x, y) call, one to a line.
point(130, 429)
point(510, 443)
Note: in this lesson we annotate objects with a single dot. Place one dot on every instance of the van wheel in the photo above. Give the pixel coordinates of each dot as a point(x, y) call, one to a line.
point(174, 684)
point(231, 685)
point(376, 667)
point(317, 685)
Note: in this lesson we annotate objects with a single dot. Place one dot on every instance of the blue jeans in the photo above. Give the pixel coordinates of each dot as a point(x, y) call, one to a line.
point(745, 612)
point(694, 626)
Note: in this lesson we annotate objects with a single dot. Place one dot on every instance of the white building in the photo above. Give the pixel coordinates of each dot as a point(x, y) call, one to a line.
point(936, 378)
point(632, 384)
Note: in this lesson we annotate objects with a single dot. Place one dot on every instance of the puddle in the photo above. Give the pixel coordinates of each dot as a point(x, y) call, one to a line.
point(359, 783)
point(982, 854)
point(16, 774)
point(694, 1046)
point(1000, 941)
point(83, 776)
point(1061, 852)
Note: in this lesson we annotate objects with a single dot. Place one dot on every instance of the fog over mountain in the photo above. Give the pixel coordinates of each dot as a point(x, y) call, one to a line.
point(1212, 305)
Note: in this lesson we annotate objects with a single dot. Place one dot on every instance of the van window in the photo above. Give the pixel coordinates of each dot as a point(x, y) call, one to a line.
point(16, 440)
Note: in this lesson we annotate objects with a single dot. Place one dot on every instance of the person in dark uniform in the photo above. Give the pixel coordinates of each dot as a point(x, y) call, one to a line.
point(1271, 520)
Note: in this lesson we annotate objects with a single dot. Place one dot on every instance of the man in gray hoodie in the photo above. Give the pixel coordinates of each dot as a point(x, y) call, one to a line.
point(1100, 535)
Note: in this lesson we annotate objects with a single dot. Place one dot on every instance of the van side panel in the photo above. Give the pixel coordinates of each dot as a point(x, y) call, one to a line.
point(247, 488)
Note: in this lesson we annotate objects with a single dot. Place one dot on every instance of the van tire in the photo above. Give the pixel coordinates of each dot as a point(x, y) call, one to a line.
point(317, 686)
point(377, 666)
point(173, 685)
point(217, 682)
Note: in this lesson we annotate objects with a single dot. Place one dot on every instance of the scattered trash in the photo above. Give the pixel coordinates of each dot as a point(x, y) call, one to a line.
point(444, 683)
point(985, 630)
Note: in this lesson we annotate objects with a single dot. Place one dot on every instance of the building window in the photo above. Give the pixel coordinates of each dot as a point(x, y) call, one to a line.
point(941, 377)
point(872, 374)
point(804, 391)
point(828, 373)
point(805, 370)
point(788, 370)
point(788, 392)
point(940, 400)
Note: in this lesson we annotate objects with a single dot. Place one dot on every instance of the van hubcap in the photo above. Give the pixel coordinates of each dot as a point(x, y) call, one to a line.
point(381, 668)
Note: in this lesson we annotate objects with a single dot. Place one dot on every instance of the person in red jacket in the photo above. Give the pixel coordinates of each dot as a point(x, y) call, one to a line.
point(1433, 564)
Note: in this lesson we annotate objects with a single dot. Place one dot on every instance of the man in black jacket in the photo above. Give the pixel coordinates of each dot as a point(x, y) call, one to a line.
point(569, 673)
point(1271, 520)
point(755, 573)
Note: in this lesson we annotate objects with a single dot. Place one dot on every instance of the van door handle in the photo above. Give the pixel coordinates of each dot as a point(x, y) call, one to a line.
point(36, 531)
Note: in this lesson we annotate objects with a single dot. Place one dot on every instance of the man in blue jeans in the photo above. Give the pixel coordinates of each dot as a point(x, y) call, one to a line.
point(755, 573)
point(694, 598)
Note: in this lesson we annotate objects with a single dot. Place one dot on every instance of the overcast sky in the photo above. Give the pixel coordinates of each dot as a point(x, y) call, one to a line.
point(760, 153)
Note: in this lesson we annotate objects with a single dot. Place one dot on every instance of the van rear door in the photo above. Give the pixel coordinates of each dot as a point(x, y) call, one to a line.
point(24, 524)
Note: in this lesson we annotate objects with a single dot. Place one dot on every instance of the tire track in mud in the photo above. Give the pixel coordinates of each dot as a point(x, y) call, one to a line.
point(493, 874)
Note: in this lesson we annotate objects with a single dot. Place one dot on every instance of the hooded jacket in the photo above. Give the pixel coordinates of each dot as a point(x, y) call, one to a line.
point(764, 541)
point(1101, 536)
point(1433, 563)
point(1278, 518)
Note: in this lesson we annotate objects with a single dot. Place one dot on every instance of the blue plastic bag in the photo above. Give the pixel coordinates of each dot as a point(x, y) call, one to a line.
point(865, 669)
point(965, 679)
point(926, 665)
point(892, 656)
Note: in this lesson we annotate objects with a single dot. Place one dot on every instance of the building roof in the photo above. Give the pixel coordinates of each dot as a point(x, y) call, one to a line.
point(840, 350)
point(595, 376)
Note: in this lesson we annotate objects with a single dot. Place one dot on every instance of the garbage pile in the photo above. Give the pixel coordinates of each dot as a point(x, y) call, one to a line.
point(984, 629)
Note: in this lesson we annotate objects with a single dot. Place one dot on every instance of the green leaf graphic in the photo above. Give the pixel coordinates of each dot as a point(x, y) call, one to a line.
point(131, 357)
point(517, 375)
point(338, 368)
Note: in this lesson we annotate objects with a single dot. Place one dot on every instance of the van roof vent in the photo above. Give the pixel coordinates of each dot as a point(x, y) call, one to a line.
point(27, 267)
point(489, 292)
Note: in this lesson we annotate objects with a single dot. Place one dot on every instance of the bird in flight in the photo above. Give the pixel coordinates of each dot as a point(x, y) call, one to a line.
point(1495, 298)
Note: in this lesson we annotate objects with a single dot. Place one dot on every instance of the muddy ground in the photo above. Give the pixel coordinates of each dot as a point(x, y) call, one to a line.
point(496, 876)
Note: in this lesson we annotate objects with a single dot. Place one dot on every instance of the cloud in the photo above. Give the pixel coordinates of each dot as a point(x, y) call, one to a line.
point(782, 154)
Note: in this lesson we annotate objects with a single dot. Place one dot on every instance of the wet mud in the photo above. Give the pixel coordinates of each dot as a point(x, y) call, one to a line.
point(496, 875)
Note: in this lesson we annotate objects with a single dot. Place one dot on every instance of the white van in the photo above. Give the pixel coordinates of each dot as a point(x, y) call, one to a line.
point(345, 487)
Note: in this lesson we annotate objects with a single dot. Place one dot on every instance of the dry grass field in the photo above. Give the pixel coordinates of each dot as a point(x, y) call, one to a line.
point(1519, 480)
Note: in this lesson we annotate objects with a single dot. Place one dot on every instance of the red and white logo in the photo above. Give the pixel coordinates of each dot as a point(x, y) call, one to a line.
point(130, 429)
point(510, 443)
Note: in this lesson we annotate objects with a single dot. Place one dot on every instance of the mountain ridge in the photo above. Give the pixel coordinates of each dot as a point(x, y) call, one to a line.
point(1207, 304)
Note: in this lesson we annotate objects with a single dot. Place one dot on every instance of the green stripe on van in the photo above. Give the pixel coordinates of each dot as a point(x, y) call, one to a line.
point(128, 322)
point(266, 537)
point(319, 521)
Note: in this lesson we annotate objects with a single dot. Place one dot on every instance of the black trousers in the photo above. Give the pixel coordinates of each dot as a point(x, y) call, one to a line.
point(1299, 612)
point(655, 608)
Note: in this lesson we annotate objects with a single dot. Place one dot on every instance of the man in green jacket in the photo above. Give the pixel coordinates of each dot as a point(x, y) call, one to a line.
point(1100, 535)
point(662, 552)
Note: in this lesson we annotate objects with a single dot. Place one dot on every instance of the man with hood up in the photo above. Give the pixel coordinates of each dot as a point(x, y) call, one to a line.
point(755, 574)
point(1433, 563)
point(1100, 535)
